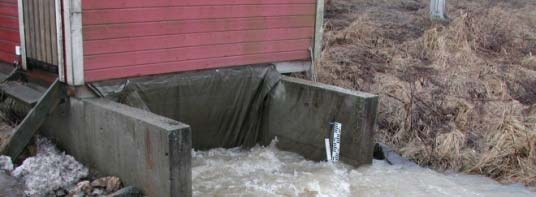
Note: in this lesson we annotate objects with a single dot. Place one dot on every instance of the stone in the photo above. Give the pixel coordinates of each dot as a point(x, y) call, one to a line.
point(97, 192)
point(110, 183)
point(82, 187)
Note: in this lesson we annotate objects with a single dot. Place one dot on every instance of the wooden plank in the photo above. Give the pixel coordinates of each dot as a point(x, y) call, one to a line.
point(9, 35)
point(7, 46)
point(47, 27)
point(53, 32)
point(41, 26)
point(319, 33)
point(22, 33)
point(74, 49)
point(192, 53)
point(59, 41)
point(129, 30)
point(68, 41)
point(9, 1)
point(9, 22)
point(193, 39)
point(8, 9)
point(152, 69)
point(31, 123)
point(29, 18)
point(28, 33)
point(35, 29)
point(112, 16)
point(20, 92)
point(7, 57)
point(115, 4)
point(77, 42)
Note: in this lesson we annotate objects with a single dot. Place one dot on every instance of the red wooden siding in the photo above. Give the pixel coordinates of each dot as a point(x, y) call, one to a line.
point(126, 38)
point(9, 30)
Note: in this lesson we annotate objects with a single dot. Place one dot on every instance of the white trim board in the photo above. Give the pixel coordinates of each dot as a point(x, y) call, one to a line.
point(22, 35)
point(317, 43)
point(74, 49)
point(59, 34)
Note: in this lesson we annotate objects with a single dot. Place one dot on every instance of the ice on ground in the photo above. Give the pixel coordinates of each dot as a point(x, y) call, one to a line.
point(5, 163)
point(271, 172)
point(49, 170)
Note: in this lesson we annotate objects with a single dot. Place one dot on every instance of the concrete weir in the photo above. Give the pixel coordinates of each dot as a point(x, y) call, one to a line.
point(143, 130)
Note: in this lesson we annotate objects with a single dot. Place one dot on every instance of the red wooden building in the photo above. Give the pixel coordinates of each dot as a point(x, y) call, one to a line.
point(9, 30)
point(95, 40)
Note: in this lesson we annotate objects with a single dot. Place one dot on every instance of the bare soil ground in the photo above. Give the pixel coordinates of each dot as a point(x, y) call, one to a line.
point(457, 95)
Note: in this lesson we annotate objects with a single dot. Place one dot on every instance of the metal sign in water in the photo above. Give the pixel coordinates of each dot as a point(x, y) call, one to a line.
point(328, 150)
point(336, 141)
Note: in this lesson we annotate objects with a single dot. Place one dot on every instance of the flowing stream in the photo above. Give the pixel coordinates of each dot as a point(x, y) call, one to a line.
point(267, 171)
point(271, 172)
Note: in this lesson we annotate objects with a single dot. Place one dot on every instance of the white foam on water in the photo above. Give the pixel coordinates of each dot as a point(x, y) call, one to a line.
point(271, 172)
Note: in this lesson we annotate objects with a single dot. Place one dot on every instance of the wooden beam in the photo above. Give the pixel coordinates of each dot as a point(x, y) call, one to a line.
point(22, 34)
point(74, 42)
point(319, 33)
point(59, 40)
point(24, 132)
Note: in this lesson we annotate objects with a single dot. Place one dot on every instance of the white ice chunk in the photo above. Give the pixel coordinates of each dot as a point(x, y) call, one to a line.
point(49, 170)
point(6, 163)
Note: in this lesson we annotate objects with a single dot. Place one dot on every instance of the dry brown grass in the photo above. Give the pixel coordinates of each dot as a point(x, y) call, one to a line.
point(454, 96)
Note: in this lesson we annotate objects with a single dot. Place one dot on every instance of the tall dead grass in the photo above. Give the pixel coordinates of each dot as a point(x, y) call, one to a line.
point(454, 96)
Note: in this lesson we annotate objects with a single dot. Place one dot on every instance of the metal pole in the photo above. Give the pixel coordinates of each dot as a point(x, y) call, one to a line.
point(438, 9)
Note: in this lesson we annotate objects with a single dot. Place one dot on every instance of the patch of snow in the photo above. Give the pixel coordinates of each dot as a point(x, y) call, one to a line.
point(6, 163)
point(49, 170)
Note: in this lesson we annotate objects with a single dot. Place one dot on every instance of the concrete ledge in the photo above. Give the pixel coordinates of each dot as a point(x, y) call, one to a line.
point(148, 151)
point(299, 114)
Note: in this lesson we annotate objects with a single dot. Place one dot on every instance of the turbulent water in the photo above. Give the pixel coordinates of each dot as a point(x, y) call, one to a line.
point(268, 172)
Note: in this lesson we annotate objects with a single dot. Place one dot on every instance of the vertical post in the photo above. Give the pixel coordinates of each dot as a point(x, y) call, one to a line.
point(22, 34)
point(59, 40)
point(438, 9)
point(319, 32)
point(73, 42)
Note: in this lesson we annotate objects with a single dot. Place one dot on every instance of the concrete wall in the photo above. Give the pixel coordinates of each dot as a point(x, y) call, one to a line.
point(146, 150)
point(299, 114)
point(249, 105)
point(226, 108)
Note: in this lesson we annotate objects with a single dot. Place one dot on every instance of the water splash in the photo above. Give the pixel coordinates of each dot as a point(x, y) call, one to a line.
point(269, 171)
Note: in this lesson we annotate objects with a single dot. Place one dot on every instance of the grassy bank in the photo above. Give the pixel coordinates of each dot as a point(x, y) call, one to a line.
point(457, 95)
